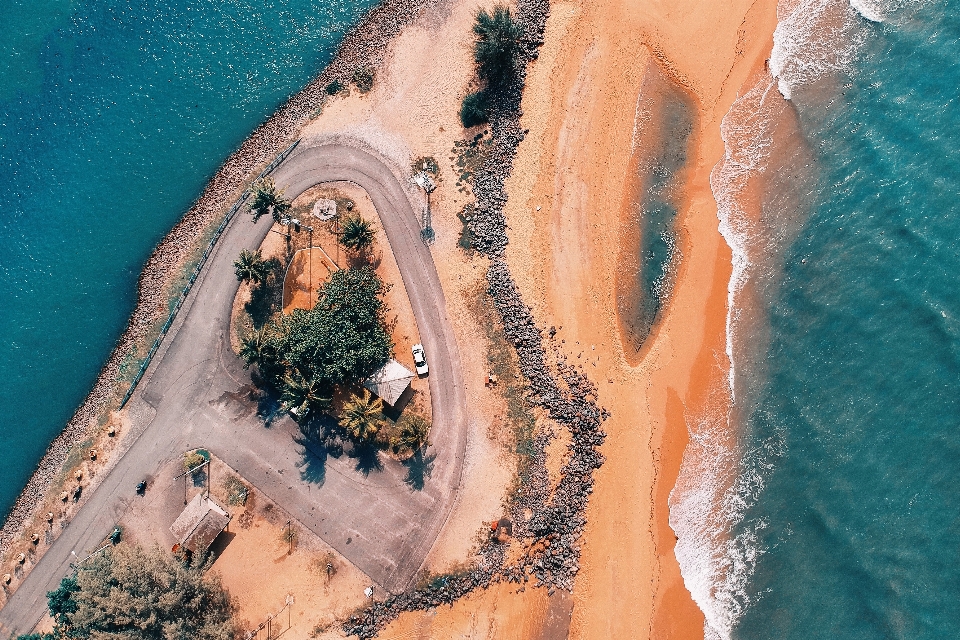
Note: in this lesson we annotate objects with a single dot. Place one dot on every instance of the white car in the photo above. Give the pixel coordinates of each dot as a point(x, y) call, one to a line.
point(420, 360)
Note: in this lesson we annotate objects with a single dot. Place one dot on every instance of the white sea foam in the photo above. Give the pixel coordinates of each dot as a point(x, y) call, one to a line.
point(721, 476)
point(816, 38)
point(872, 11)
point(718, 479)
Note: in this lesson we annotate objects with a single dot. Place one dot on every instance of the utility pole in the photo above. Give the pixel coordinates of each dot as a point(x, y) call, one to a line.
point(310, 257)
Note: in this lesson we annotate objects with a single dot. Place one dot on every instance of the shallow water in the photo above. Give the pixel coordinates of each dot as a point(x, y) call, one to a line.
point(839, 519)
point(649, 255)
point(112, 118)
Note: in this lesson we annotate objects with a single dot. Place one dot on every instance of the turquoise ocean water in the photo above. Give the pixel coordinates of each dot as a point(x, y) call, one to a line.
point(836, 513)
point(113, 115)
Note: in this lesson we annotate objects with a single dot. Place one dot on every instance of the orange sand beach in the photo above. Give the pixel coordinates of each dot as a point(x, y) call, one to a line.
point(581, 106)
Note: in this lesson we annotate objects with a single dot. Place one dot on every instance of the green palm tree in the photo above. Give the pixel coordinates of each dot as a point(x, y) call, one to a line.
point(255, 348)
point(497, 44)
point(268, 200)
point(412, 433)
point(251, 266)
point(362, 416)
point(302, 395)
point(357, 233)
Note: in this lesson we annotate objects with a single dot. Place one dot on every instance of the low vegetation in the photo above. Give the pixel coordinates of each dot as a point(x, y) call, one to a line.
point(251, 267)
point(409, 434)
point(193, 459)
point(363, 79)
point(362, 417)
point(357, 234)
point(496, 51)
point(131, 594)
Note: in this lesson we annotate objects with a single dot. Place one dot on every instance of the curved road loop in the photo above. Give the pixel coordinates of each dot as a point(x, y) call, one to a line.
point(196, 394)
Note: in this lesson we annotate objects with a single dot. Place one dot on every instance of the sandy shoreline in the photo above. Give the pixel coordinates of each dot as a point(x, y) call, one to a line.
point(364, 45)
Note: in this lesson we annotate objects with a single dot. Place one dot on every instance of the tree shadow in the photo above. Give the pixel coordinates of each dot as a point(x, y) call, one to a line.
point(266, 298)
point(419, 468)
point(313, 461)
point(367, 457)
point(318, 437)
point(199, 477)
point(268, 400)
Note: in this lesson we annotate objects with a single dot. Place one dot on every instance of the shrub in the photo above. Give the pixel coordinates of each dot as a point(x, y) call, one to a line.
point(357, 234)
point(496, 45)
point(236, 491)
point(133, 594)
point(342, 340)
point(193, 459)
point(473, 111)
point(363, 79)
point(268, 200)
point(334, 87)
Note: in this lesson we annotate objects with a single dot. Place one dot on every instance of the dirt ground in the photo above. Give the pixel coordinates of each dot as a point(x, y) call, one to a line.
point(253, 558)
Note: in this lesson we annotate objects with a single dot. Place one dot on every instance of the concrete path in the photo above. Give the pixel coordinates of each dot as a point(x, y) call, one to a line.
point(195, 394)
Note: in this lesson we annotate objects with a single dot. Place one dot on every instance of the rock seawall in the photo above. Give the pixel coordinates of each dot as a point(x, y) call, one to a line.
point(551, 558)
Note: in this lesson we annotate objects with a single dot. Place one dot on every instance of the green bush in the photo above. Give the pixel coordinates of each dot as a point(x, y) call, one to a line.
point(342, 340)
point(192, 459)
point(334, 87)
point(473, 111)
point(496, 46)
point(411, 433)
point(363, 79)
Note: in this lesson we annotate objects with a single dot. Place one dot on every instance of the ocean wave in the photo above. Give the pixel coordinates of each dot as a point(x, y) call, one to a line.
point(758, 187)
point(817, 38)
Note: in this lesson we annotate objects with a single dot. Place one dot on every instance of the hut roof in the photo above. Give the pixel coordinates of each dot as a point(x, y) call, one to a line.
point(389, 381)
point(199, 524)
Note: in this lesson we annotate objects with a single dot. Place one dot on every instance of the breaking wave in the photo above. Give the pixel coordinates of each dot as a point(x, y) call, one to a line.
point(759, 186)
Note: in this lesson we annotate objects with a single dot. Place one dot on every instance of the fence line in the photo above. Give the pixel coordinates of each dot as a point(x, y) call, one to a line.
point(196, 272)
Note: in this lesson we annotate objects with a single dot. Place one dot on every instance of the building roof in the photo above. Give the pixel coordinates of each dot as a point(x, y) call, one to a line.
point(389, 381)
point(199, 524)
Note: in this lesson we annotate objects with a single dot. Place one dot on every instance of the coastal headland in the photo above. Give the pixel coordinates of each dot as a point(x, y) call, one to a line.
point(550, 197)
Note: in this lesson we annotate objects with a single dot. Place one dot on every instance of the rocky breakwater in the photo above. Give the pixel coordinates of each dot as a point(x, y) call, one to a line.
point(549, 520)
point(363, 47)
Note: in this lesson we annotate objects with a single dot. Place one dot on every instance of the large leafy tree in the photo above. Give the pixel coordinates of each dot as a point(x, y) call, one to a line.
point(496, 45)
point(342, 340)
point(131, 594)
point(357, 233)
point(362, 416)
point(267, 200)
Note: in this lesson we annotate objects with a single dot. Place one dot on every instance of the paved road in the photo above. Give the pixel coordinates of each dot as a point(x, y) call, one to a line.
point(194, 395)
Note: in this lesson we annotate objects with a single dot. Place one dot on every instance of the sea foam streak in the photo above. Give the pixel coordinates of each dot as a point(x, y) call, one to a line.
point(723, 471)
